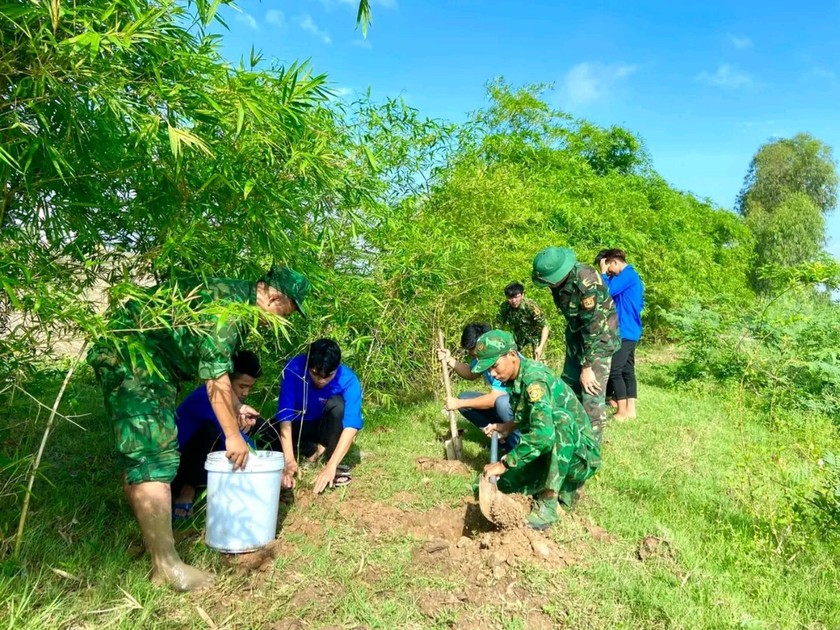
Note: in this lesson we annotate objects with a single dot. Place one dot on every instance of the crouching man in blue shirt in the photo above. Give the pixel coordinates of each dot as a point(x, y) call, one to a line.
point(199, 431)
point(320, 412)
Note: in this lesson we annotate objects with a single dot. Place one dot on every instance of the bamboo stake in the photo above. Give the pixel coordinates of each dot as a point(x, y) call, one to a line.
point(33, 473)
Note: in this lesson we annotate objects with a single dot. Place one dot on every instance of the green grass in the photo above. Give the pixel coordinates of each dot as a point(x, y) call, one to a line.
point(696, 470)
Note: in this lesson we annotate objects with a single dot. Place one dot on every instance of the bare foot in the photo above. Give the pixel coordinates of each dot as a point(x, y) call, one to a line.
point(181, 577)
point(621, 418)
point(319, 452)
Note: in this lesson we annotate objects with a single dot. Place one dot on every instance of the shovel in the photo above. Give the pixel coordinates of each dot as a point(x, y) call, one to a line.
point(493, 503)
point(452, 446)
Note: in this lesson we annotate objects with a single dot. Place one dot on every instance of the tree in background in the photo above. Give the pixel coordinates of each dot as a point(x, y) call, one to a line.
point(789, 189)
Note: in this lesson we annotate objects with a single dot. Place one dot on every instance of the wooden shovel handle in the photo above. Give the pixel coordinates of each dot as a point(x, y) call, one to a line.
point(447, 384)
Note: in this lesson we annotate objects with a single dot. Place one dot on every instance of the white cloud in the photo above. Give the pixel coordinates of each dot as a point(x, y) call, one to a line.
point(588, 82)
point(341, 92)
point(276, 18)
point(739, 41)
point(308, 24)
point(363, 43)
point(248, 20)
point(726, 76)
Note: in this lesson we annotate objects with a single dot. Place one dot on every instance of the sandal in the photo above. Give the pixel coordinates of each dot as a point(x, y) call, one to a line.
point(185, 509)
point(342, 476)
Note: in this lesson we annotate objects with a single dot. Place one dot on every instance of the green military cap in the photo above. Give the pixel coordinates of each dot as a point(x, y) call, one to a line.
point(552, 265)
point(293, 284)
point(489, 347)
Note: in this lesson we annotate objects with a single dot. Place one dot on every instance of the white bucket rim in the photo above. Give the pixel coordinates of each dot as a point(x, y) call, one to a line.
point(258, 461)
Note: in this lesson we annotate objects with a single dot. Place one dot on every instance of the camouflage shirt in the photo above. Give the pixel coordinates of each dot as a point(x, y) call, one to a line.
point(195, 348)
point(591, 320)
point(526, 322)
point(552, 422)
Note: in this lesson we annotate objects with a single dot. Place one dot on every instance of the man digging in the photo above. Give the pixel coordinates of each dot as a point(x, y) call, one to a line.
point(591, 335)
point(558, 450)
point(140, 396)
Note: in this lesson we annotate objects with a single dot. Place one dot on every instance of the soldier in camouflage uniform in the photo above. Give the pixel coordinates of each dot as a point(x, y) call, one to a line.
point(591, 335)
point(558, 450)
point(139, 369)
point(523, 317)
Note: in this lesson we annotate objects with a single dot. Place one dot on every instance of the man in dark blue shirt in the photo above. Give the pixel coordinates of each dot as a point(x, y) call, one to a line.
point(320, 412)
point(627, 291)
point(199, 431)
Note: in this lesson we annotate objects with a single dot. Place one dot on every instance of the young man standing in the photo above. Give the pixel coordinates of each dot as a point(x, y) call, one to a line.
point(582, 297)
point(558, 451)
point(199, 431)
point(140, 395)
point(320, 412)
point(627, 291)
point(524, 319)
point(489, 409)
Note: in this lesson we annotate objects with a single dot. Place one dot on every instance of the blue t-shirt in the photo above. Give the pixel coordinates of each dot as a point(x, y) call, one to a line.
point(494, 383)
point(299, 399)
point(628, 293)
point(192, 413)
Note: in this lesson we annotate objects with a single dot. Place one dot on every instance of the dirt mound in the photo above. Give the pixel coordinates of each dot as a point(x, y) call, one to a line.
point(445, 466)
point(653, 547)
point(260, 560)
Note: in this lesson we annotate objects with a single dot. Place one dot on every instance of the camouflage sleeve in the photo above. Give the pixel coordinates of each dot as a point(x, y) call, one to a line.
point(217, 348)
point(539, 438)
point(539, 317)
point(501, 317)
point(596, 331)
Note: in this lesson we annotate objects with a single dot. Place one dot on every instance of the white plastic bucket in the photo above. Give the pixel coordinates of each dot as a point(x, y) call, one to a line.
point(242, 505)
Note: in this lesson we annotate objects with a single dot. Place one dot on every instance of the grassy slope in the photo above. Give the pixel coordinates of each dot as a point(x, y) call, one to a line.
point(694, 470)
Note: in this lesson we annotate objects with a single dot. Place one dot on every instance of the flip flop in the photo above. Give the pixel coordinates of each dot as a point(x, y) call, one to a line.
point(342, 476)
point(185, 508)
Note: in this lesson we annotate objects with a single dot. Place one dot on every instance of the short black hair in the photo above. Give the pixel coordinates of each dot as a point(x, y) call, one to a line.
point(324, 356)
point(471, 334)
point(610, 254)
point(246, 362)
point(514, 289)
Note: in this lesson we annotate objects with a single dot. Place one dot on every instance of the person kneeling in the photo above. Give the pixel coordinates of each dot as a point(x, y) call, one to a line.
point(320, 412)
point(199, 431)
point(482, 409)
point(558, 450)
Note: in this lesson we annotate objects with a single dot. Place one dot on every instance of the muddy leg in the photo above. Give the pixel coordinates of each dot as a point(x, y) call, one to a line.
point(151, 502)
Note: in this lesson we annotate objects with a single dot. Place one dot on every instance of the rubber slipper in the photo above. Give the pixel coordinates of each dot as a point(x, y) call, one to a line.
point(185, 508)
point(341, 479)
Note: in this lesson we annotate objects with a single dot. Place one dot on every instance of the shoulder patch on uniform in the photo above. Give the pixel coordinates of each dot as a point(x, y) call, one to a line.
point(535, 391)
point(537, 310)
point(588, 302)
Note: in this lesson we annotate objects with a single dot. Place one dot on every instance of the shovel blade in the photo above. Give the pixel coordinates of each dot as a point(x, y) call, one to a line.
point(449, 448)
point(487, 495)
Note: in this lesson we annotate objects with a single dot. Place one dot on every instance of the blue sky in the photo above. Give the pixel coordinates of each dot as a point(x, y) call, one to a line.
point(703, 83)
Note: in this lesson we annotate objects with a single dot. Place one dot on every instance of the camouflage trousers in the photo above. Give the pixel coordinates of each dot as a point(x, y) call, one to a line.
point(553, 471)
point(595, 405)
point(141, 404)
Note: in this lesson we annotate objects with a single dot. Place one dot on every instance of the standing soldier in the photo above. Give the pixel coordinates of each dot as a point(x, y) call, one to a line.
point(523, 317)
point(558, 451)
point(591, 335)
point(139, 370)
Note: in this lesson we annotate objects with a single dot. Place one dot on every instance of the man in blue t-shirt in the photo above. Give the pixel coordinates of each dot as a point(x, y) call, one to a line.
point(489, 411)
point(627, 291)
point(320, 412)
point(199, 431)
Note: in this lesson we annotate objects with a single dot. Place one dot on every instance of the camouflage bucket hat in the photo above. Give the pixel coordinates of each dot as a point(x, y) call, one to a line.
point(489, 347)
point(291, 283)
point(552, 265)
